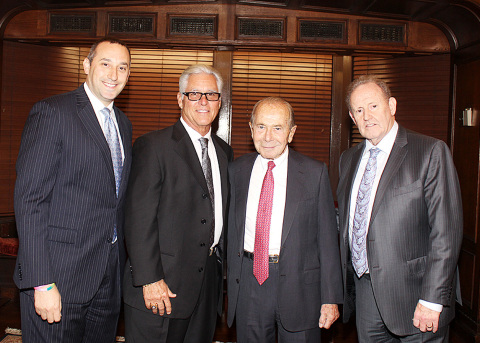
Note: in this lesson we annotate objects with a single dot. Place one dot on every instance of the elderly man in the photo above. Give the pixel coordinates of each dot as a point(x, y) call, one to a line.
point(176, 200)
point(283, 258)
point(72, 172)
point(400, 224)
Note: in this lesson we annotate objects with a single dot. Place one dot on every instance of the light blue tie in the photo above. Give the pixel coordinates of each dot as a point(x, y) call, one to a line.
point(360, 224)
point(116, 152)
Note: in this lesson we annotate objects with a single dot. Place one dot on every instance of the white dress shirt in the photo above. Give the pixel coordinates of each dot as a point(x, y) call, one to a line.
point(217, 184)
point(97, 107)
point(385, 146)
point(279, 197)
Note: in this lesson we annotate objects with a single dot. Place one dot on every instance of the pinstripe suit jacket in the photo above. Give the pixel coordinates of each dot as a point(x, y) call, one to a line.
point(415, 230)
point(65, 202)
point(168, 217)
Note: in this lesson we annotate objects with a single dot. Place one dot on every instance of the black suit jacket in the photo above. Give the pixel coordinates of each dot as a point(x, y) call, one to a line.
point(310, 273)
point(415, 230)
point(168, 217)
point(65, 199)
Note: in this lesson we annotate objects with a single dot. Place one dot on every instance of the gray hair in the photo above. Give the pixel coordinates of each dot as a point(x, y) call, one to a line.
point(274, 100)
point(362, 80)
point(199, 69)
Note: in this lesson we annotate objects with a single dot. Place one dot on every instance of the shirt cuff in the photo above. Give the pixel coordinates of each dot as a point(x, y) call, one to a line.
point(431, 306)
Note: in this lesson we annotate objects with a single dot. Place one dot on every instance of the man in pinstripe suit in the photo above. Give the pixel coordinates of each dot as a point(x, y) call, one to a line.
point(69, 206)
point(400, 247)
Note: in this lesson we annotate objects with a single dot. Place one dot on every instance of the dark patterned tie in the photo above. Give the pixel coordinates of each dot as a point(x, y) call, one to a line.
point(116, 152)
point(262, 227)
point(207, 171)
point(360, 225)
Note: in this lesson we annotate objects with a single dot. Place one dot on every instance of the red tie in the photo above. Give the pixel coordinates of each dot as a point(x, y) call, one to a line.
point(262, 227)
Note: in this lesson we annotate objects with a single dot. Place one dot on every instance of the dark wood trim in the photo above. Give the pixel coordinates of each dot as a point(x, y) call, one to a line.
point(340, 120)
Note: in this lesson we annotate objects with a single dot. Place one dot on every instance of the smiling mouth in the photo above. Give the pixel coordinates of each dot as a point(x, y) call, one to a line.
point(110, 85)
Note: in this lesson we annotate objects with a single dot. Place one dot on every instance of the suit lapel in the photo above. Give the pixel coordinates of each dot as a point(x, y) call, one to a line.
point(356, 157)
point(397, 155)
point(186, 150)
point(242, 182)
point(125, 134)
point(295, 190)
point(223, 166)
point(89, 120)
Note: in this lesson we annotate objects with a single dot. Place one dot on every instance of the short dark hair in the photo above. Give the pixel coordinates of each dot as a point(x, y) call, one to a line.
point(362, 80)
point(274, 100)
point(93, 49)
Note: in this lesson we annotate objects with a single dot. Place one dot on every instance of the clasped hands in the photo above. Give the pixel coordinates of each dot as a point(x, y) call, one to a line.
point(157, 297)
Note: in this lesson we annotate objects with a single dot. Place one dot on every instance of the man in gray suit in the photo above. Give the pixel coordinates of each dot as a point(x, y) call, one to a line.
point(283, 259)
point(400, 224)
point(72, 172)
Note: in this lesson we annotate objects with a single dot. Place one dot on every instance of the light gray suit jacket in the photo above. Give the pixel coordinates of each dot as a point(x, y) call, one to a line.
point(415, 230)
point(309, 256)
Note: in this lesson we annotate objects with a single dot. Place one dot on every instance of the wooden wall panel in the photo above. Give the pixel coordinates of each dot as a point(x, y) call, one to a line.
point(29, 73)
point(421, 86)
point(466, 156)
point(304, 80)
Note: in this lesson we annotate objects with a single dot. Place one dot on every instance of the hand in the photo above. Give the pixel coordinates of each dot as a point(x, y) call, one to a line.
point(157, 297)
point(48, 304)
point(328, 314)
point(425, 319)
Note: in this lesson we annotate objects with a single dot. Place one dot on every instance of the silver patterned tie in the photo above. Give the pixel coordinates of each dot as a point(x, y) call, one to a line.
point(207, 171)
point(360, 224)
point(114, 144)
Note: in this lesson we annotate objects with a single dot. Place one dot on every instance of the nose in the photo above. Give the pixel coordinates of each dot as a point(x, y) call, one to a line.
point(268, 134)
point(203, 100)
point(367, 115)
point(113, 74)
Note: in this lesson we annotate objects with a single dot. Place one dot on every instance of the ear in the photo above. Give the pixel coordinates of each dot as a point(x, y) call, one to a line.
point(180, 100)
point(251, 128)
point(392, 103)
point(353, 118)
point(86, 65)
point(292, 133)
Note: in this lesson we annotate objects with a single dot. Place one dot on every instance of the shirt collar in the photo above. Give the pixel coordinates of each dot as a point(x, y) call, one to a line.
point(96, 103)
point(278, 161)
point(194, 135)
point(386, 144)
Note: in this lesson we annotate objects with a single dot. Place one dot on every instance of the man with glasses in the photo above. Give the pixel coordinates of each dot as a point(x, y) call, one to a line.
point(175, 206)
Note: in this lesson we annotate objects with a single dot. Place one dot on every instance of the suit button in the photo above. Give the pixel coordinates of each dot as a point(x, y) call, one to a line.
point(238, 281)
point(200, 269)
point(203, 221)
point(238, 254)
point(202, 244)
point(204, 195)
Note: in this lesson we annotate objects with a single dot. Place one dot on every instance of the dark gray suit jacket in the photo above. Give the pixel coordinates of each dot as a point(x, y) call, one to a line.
point(415, 230)
point(309, 257)
point(65, 200)
point(168, 217)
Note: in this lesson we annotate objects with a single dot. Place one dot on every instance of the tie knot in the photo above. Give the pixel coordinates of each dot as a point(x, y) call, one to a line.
point(374, 152)
point(203, 142)
point(271, 165)
point(105, 111)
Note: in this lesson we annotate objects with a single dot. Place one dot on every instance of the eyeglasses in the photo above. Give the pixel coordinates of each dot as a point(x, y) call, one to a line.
point(195, 96)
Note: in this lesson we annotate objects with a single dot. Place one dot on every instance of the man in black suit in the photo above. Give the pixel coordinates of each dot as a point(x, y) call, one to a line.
point(283, 258)
point(72, 172)
point(400, 224)
point(176, 200)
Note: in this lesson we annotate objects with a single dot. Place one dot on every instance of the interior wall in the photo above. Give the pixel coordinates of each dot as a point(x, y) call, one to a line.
point(29, 73)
